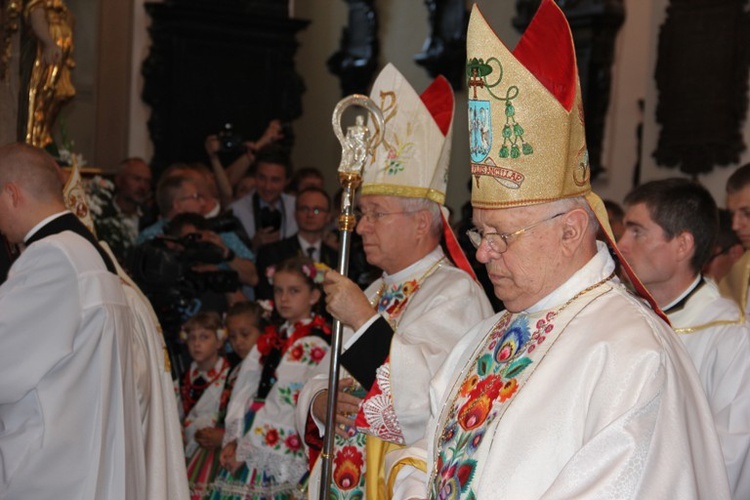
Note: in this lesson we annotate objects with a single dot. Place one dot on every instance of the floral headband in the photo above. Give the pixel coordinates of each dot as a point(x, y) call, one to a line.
point(316, 272)
point(267, 306)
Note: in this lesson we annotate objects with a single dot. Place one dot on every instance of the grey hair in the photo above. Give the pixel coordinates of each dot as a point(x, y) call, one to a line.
point(417, 204)
point(568, 204)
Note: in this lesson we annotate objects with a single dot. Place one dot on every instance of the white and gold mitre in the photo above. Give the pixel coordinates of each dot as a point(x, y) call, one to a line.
point(412, 160)
point(526, 130)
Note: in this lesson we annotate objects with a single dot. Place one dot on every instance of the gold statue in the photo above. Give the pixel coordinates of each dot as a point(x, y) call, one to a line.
point(49, 85)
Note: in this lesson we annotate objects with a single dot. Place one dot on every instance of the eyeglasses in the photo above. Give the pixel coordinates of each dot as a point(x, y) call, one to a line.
point(313, 210)
point(499, 242)
point(375, 216)
point(194, 196)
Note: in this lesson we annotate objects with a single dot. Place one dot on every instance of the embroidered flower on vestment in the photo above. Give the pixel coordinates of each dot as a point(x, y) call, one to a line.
point(469, 384)
point(513, 340)
point(348, 468)
point(508, 389)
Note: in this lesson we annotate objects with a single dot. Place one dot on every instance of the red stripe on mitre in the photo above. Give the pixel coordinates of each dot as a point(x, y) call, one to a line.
point(438, 99)
point(546, 49)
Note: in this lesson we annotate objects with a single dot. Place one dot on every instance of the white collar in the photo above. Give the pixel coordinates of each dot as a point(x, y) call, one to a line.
point(418, 268)
point(684, 294)
point(44, 222)
point(306, 244)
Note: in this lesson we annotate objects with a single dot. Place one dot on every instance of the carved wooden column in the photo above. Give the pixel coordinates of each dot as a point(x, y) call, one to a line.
point(444, 51)
point(216, 62)
point(701, 76)
point(356, 60)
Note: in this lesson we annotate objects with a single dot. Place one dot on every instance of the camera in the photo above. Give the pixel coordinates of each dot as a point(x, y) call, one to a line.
point(229, 140)
point(269, 217)
point(163, 269)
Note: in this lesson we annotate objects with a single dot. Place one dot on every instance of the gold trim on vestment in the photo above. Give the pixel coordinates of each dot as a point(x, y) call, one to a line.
point(721, 322)
point(404, 462)
point(403, 191)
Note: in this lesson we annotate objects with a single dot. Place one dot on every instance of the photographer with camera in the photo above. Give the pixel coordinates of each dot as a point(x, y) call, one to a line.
point(179, 194)
point(188, 269)
point(227, 141)
point(267, 213)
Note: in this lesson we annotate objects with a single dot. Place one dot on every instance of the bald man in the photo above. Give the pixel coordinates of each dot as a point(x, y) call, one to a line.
point(69, 423)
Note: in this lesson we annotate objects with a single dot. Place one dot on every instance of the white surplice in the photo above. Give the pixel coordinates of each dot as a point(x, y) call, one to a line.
point(610, 407)
point(166, 477)
point(69, 421)
point(433, 321)
point(718, 340)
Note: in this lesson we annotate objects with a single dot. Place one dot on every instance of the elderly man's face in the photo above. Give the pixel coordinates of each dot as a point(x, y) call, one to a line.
point(387, 233)
point(134, 182)
point(526, 272)
point(188, 199)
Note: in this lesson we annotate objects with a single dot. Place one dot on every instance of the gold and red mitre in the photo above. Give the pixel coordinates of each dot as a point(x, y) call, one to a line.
point(526, 128)
point(412, 160)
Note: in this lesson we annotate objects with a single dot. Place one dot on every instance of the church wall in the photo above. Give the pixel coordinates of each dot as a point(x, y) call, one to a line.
point(403, 29)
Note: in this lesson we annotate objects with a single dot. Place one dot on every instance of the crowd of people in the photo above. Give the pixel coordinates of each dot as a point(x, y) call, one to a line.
point(178, 345)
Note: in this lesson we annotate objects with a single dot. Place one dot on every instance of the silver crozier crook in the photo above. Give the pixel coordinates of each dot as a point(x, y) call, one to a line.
point(356, 148)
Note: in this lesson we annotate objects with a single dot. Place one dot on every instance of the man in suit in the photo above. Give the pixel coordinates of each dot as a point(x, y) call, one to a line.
point(312, 211)
point(265, 213)
point(69, 411)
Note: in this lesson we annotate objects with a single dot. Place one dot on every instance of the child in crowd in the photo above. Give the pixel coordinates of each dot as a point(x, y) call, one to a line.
point(204, 394)
point(263, 456)
point(244, 323)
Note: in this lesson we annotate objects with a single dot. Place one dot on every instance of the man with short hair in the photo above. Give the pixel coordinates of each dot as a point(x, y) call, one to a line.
point(118, 221)
point(727, 250)
point(398, 331)
point(738, 203)
point(735, 284)
point(311, 211)
point(670, 227)
point(178, 194)
point(69, 415)
point(266, 213)
point(175, 194)
point(578, 389)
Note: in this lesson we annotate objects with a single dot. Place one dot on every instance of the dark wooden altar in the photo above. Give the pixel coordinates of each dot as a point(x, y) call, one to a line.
point(217, 62)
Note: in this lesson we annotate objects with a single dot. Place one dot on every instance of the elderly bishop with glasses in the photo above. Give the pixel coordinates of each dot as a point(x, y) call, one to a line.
point(578, 389)
point(399, 331)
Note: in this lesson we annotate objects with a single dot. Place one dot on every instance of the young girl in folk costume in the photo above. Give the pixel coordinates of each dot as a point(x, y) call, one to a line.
point(263, 456)
point(244, 322)
point(204, 394)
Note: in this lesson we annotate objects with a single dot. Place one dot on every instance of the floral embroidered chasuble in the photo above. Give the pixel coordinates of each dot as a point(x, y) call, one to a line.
point(508, 357)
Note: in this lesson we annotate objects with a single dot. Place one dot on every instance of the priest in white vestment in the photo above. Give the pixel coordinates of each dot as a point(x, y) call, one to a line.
point(735, 284)
point(166, 477)
point(669, 233)
point(399, 331)
point(578, 390)
point(69, 422)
